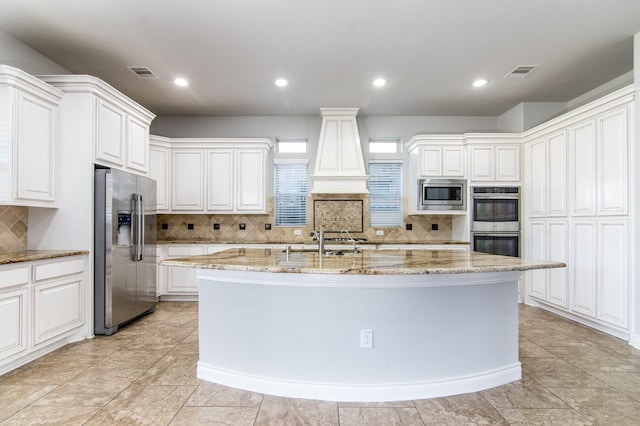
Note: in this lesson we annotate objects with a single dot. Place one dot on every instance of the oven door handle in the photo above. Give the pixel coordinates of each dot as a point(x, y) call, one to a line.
point(495, 197)
point(496, 234)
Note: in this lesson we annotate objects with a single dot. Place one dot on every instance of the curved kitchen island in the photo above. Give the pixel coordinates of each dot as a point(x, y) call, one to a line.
point(372, 326)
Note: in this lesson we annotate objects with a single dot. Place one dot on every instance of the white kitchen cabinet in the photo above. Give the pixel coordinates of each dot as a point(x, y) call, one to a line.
point(507, 163)
point(58, 298)
point(613, 163)
point(220, 182)
point(556, 179)
point(13, 310)
point(583, 154)
point(111, 129)
point(482, 163)
point(494, 163)
point(536, 249)
point(582, 196)
point(120, 126)
point(137, 144)
point(613, 272)
point(160, 171)
point(583, 267)
point(442, 161)
point(556, 251)
point(187, 180)
point(535, 178)
point(41, 308)
point(183, 281)
point(28, 136)
point(250, 180)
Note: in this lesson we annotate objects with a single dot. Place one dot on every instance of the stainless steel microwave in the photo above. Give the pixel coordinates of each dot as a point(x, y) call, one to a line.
point(442, 194)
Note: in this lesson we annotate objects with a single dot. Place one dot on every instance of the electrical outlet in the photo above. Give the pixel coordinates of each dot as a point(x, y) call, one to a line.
point(366, 339)
point(297, 232)
point(380, 232)
point(434, 226)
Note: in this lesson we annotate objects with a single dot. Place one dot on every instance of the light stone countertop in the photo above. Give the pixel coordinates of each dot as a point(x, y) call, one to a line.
point(33, 255)
point(368, 262)
point(359, 243)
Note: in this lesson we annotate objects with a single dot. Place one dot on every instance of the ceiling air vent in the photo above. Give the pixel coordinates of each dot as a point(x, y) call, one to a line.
point(142, 71)
point(521, 71)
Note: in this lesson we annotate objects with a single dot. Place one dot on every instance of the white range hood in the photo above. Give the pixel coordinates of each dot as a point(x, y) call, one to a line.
point(339, 167)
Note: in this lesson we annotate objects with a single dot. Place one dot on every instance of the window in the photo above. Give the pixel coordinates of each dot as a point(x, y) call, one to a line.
point(290, 192)
point(297, 146)
point(385, 194)
point(384, 146)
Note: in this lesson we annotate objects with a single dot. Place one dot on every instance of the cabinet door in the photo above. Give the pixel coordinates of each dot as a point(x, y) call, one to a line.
point(13, 317)
point(536, 250)
point(583, 169)
point(111, 127)
point(613, 272)
point(507, 163)
point(183, 280)
point(557, 251)
point(137, 145)
point(431, 161)
point(36, 149)
point(535, 178)
point(584, 271)
point(613, 165)
point(557, 175)
point(57, 308)
point(453, 161)
point(187, 178)
point(220, 172)
point(482, 167)
point(159, 171)
point(251, 182)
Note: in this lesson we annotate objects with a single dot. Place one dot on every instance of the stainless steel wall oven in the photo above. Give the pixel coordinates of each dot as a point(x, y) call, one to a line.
point(495, 226)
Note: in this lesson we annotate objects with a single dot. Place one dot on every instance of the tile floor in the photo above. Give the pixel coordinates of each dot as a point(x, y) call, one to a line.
point(145, 374)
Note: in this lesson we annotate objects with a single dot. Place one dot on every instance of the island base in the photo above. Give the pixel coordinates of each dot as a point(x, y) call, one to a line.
point(299, 335)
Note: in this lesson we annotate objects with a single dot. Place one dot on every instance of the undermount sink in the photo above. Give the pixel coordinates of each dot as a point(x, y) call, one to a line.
point(338, 252)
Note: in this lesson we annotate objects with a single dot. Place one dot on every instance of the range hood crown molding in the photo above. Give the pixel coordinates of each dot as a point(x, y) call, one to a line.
point(339, 167)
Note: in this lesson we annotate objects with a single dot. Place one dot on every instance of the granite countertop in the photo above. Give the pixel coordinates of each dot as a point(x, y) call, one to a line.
point(369, 242)
point(32, 255)
point(368, 262)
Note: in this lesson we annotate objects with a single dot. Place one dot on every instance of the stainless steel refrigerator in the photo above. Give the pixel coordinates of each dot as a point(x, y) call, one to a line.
point(125, 248)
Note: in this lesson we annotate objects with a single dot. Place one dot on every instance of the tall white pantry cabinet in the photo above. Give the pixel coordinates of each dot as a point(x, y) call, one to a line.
point(578, 209)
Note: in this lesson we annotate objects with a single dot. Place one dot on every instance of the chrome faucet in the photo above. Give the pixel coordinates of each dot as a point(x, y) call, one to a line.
point(320, 237)
point(344, 231)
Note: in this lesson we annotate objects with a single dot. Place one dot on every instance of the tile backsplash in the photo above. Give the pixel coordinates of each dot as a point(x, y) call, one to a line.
point(13, 228)
point(357, 211)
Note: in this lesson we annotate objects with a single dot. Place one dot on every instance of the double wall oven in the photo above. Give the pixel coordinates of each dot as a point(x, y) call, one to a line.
point(495, 226)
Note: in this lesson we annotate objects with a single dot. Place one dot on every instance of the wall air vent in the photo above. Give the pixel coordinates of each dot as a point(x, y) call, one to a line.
point(142, 71)
point(521, 71)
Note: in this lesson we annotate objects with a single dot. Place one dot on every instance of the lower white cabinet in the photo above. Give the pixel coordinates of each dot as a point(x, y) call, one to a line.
point(183, 280)
point(613, 272)
point(583, 267)
point(41, 308)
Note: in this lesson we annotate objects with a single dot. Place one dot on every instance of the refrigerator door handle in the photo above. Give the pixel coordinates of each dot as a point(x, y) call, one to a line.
point(140, 227)
point(137, 232)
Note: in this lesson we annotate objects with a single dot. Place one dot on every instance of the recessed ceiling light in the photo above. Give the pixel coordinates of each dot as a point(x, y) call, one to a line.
point(380, 82)
point(181, 82)
point(480, 82)
point(282, 82)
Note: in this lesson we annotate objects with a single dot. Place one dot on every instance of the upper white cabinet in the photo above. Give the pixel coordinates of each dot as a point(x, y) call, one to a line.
point(613, 162)
point(494, 158)
point(438, 155)
point(160, 171)
point(556, 179)
point(583, 154)
point(187, 183)
point(28, 135)
point(221, 176)
point(121, 126)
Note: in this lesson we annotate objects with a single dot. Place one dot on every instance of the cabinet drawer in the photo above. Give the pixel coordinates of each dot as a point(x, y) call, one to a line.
point(12, 277)
point(58, 269)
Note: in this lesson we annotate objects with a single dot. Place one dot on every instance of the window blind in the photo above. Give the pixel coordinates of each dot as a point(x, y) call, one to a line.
point(290, 194)
point(385, 194)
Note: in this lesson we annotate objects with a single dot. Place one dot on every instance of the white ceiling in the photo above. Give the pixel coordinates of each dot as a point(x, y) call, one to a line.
point(430, 50)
